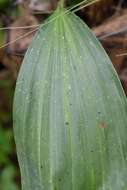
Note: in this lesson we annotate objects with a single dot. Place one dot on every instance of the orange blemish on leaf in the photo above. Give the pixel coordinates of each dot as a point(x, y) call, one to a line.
point(102, 125)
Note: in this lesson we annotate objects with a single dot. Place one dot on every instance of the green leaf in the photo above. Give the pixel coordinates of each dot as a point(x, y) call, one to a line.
point(2, 36)
point(70, 112)
point(6, 179)
point(5, 145)
point(4, 3)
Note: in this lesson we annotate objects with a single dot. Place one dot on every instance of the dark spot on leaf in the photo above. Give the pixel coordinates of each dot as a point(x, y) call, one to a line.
point(99, 112)
point(41, 166)
point(67, 123)
point(74, 67)
point(59, 179)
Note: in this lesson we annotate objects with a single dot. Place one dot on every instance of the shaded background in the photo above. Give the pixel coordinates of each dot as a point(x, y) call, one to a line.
point(108, 20)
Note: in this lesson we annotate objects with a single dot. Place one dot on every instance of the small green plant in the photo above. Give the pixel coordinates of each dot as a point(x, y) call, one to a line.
point(70, 111)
